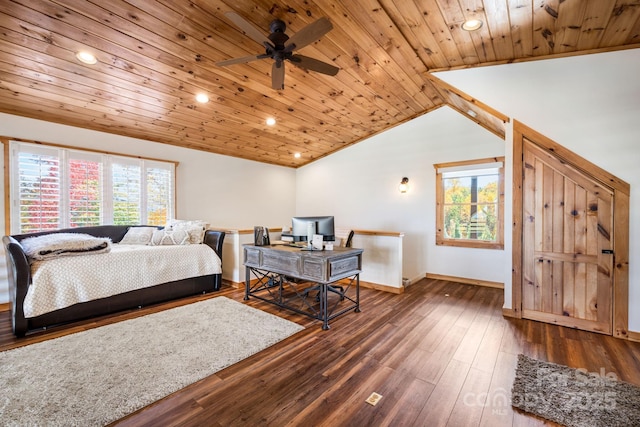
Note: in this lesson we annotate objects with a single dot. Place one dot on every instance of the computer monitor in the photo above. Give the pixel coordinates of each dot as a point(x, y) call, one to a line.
point(323, 225)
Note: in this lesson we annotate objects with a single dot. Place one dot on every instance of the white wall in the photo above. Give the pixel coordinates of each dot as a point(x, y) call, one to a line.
point(589, 104)
point(359, 186)
point(225, 191)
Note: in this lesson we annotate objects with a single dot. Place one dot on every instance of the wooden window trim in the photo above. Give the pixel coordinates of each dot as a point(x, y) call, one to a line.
point(441, 240)
point(6, 140)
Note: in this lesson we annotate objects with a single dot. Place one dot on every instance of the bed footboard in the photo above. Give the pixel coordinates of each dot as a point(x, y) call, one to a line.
point(19, 275)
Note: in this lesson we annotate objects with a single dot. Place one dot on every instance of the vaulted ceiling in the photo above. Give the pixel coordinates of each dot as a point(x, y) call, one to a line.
point(155, 56)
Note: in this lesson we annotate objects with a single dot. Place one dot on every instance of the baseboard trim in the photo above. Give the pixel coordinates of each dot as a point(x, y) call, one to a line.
point(237, 285)
point(465, 280)
point(379, 287)
point(509, 312)
point(633, 336)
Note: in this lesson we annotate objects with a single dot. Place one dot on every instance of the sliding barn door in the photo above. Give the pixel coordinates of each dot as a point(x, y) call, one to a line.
point(567, 244)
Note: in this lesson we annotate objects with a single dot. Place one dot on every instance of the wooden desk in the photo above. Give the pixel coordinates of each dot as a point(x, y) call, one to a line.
point(305, 281)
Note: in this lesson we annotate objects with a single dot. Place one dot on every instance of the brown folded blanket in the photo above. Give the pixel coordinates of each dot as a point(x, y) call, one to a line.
point(64, 244)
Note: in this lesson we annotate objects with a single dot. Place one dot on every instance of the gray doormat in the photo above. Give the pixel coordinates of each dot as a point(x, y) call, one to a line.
point(574, 397)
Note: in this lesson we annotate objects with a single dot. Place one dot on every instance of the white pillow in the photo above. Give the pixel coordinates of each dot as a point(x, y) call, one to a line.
point(196, 233)
point(170, 237)
point(138, 236)
point(195, 228)
point(186, 222)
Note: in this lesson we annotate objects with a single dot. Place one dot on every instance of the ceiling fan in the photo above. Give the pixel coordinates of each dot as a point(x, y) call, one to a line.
point(280, 47)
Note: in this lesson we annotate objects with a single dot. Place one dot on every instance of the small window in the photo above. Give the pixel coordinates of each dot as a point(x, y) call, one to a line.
point(470, 203)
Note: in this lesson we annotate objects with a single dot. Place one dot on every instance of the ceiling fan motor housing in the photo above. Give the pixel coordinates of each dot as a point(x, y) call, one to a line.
point(277, 36)
point(278, 26)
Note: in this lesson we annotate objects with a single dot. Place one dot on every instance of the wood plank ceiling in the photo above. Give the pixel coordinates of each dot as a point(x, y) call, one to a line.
point(154, 56)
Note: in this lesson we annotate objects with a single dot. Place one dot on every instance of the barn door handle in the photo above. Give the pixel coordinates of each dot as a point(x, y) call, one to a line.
point(607, 251)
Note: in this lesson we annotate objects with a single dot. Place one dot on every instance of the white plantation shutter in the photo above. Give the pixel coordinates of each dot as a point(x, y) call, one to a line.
point(54, 187)
point(126, 187)
point(84, 184)
point(159, 191)
point(37, 189)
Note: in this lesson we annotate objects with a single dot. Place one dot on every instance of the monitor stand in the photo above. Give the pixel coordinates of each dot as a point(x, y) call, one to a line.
point(310, 248)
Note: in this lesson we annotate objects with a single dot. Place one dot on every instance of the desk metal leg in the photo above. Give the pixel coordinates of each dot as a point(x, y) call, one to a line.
point(274, 288)
point(324, 302)
point(357, 310)
point(247, 282)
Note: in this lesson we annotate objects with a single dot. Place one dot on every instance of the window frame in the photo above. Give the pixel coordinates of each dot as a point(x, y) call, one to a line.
point(440, 169)
point(13, 146)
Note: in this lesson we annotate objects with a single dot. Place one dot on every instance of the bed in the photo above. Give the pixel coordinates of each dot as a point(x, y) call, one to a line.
point(50, 290)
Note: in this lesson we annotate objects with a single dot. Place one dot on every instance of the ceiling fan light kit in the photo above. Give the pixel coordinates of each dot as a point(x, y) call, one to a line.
point(280, 47)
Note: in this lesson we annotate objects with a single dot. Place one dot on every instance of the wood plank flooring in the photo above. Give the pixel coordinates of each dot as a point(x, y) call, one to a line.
point(441, 354)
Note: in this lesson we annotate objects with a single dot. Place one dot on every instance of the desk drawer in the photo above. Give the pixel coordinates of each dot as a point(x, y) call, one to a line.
point(252, 257)
point(314, 270)
point(344, 265)
point(282, 262)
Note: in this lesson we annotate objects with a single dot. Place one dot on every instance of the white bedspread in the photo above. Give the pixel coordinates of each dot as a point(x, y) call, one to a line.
point(61, 282)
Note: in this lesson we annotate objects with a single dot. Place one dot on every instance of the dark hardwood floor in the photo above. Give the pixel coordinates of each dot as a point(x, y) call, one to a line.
point(439, 354)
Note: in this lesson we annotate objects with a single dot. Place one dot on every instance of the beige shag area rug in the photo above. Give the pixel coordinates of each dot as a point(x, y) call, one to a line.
point(574, 397)
point(95, 377)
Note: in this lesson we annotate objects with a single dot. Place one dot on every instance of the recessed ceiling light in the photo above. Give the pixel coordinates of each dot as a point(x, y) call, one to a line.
point(86, 57)
point(296, 155)
point(270, 121)
point(472, 25)
point(202, 97)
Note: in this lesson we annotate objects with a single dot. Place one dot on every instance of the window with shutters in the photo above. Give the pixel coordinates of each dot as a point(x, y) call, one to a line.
point(37, 196)
point(54, 187)
point(85, 189)
point(159, 190)
point(127, 194)
point(470, 203)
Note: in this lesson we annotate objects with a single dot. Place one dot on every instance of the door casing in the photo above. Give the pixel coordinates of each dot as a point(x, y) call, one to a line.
point(621, 189)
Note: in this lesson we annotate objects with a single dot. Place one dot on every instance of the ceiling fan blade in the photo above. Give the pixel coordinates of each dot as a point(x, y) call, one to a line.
point(309, 34)
point(277, 75)
point(249, 29)
point(314, 65)
point(242, 60)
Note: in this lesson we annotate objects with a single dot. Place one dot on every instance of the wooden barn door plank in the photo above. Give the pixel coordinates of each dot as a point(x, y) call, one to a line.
point(605, 228)
point(563, 230)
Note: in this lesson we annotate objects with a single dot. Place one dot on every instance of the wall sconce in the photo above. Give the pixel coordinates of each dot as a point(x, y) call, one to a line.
point(404, 185)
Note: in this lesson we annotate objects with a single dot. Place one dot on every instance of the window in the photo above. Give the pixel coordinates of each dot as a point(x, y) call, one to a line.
point(127, 194)
point(85, 189)
point(159, 190)
point(38, 190)
point(470, 203)
point(54, 187)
